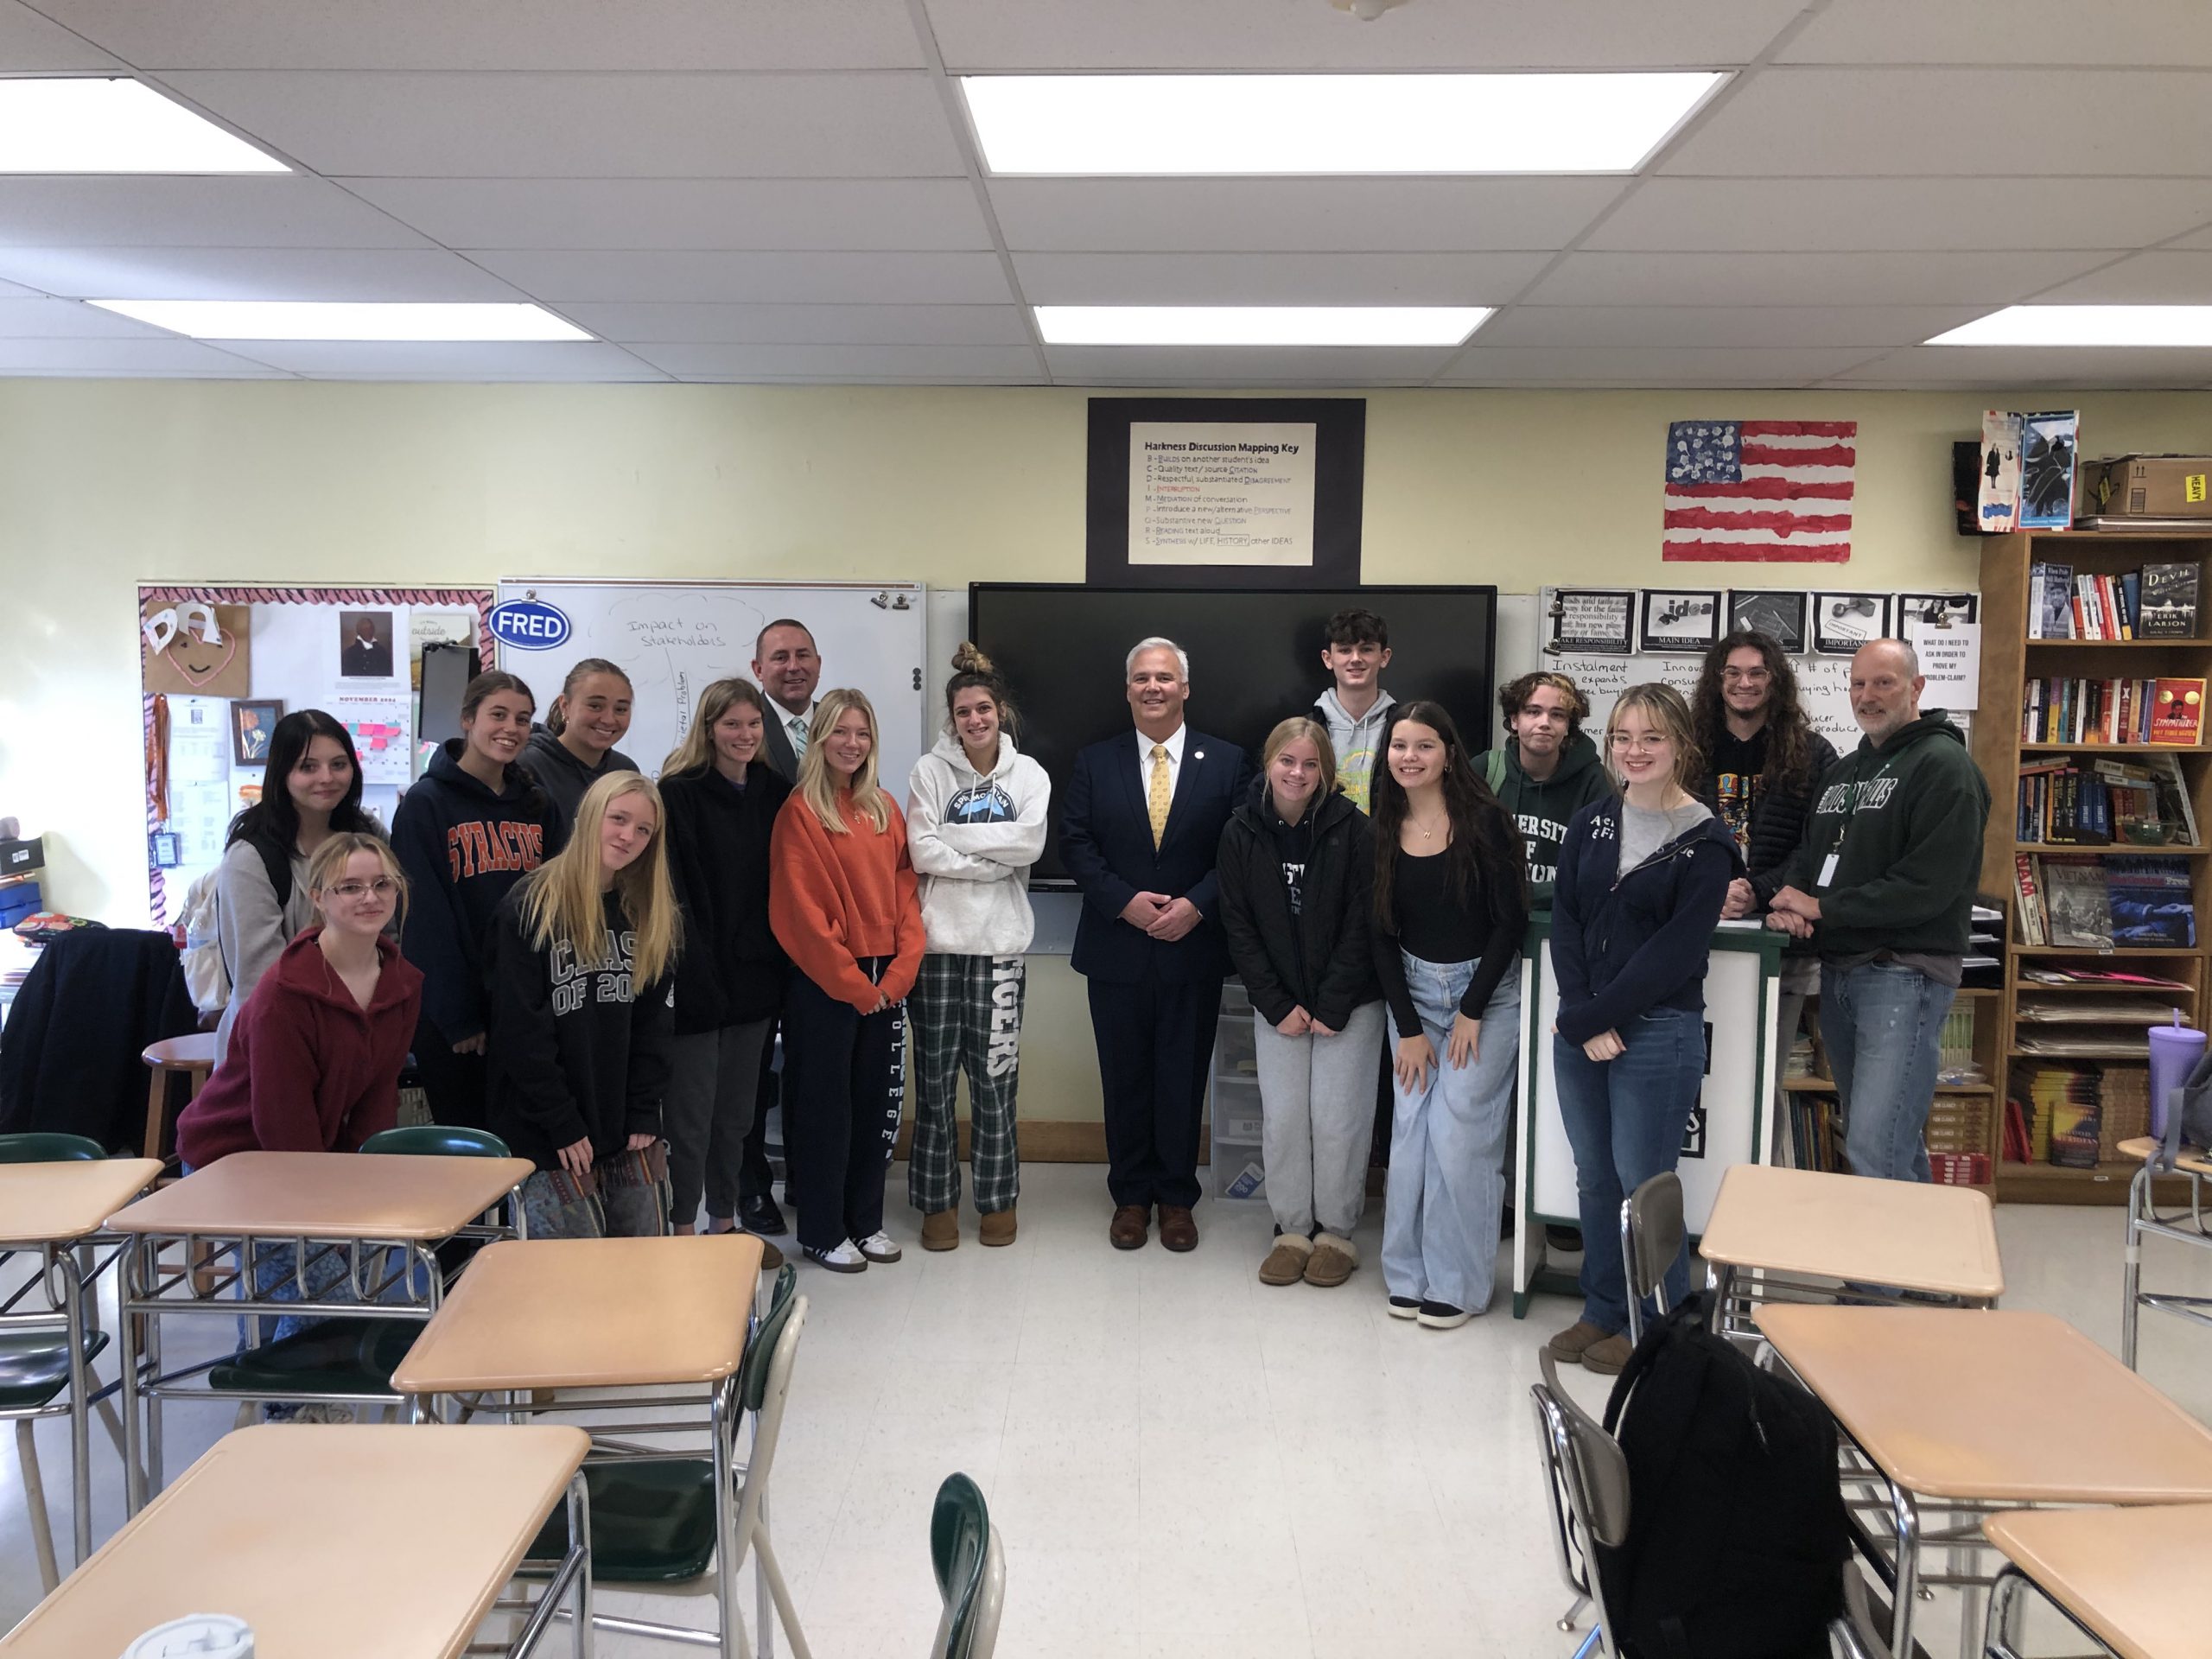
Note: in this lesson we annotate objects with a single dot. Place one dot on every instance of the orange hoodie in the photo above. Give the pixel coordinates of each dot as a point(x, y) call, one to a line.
point(833, 899)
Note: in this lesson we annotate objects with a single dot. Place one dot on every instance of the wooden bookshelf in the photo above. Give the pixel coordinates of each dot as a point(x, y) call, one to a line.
point(2009, 660)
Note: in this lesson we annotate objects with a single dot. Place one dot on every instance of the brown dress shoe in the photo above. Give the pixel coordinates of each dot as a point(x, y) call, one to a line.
point(1177, 1230)
point(1127, 1230)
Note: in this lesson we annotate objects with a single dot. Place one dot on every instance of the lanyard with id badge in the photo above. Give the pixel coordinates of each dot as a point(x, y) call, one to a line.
point(1859, 796)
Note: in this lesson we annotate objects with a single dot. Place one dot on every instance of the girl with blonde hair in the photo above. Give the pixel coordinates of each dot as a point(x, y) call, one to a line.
point(842, 902)
point(580, 963)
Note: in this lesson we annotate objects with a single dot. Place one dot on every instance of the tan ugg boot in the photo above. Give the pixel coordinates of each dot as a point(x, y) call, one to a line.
point(996, 1228)
point(941, 1230)
point(1333, 1261)
point(1285, 1263)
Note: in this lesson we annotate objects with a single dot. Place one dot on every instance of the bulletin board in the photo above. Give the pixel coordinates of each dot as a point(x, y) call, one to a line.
point(353, 653)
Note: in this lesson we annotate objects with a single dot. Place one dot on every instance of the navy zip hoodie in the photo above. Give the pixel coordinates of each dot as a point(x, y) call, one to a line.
point(463, 846)
point(1624, 943)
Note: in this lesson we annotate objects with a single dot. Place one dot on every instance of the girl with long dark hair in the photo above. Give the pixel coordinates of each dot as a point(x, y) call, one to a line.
point(1450, 905)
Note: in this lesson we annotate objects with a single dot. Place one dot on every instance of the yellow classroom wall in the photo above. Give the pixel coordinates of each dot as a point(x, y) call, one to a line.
point(105, 484)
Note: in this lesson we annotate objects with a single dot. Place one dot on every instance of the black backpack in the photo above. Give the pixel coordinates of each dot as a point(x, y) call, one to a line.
point(1736, 1544)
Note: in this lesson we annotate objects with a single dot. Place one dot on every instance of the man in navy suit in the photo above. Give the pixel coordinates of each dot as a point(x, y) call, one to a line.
point(1142, 824)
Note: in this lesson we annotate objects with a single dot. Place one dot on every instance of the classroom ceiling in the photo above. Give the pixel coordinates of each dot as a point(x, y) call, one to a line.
point(730, 190)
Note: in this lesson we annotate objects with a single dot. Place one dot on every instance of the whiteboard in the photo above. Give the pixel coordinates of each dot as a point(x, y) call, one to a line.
point(674, 638)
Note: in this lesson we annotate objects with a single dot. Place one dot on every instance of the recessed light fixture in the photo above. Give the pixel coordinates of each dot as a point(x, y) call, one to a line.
point(347, 320)
point(1258, 325)
point(2086, 325)
point(1133, 125)
point(90, 124)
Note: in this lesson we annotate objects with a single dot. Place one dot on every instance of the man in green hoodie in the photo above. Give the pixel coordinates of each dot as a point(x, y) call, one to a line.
point(1546, 772)
point(1884, 885)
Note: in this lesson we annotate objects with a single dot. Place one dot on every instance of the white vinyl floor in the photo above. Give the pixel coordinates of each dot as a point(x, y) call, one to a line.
point(1183, 1461)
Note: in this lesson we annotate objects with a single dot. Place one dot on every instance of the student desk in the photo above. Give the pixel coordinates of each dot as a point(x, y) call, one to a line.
point(348, 1541)
point(2132, 1581)
point(2145, 1222)
point(374, 1212)
point(608, 1314)
point(1975, 1410)
point(1793, 1228)
point(57, 1210)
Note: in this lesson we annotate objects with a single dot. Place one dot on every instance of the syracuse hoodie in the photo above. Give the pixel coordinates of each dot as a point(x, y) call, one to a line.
point(973, 839)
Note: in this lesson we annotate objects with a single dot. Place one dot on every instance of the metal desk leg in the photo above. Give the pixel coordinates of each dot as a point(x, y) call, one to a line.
point(155, 1479)
point(580, 1535)
point(127, 1272)
point(720, 1423)
point(1906, 1513)
point(2000, 1636)
point(80, 1412)
point(2131, 1273)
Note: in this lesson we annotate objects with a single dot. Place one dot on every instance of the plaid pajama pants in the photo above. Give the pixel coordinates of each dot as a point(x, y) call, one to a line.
point(966, 1010)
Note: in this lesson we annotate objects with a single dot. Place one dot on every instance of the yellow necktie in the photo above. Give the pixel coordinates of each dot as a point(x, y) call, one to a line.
point(1159, 795)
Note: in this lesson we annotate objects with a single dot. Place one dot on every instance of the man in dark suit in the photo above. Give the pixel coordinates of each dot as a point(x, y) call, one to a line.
point(365, 657)
point(788, 668)
point(1142, 824)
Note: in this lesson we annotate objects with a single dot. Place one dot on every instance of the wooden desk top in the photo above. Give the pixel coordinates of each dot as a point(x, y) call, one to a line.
point(2133, 1576)
point(2193, 1158)
point(1903, 1233)
point(345, 1542)
point(1993, 1403)
point(589, 1313)
point(327, 1195)
point(45, 1203)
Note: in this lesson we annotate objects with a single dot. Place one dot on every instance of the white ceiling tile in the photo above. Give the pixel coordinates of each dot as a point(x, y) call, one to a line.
point(1213, 364)
point(1616, 365)
point(695, 214)
point(1846, 215)
point(1430, 34)
point(448, 359)
point(1969, 279)
point(590, 126)
point(2052, 373)
point(789, 278)
point(1033, 379)
point(32, 45)
point(2156, 278)
point(251, 274)
point(2056, 32)
point(804, 325)
point(1917, 123)
point(684, 34)
point(1260, 215)
point(166, 355)
point(855, 362)
point(1272, 279)
point(70, 320)
point(185, 212)
point(1694, 327)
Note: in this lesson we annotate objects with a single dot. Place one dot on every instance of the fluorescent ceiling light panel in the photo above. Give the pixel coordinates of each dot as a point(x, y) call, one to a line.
point(1258, 325)
point(346, 320)
point(84, 125)
point(1153, 124)
point(2086, 325)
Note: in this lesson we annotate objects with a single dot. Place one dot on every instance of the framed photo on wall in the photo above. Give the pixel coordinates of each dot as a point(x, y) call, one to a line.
point(1842, 622)
point(252, 721)
point(1590, 620)
point(1779, 613)
point(1936, 607)
point(1683, 621)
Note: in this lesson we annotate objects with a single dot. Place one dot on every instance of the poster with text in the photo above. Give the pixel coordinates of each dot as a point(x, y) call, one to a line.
point(1222, 492)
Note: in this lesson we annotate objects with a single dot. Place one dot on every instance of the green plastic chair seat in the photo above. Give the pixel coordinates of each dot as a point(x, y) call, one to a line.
point(960, 1532)
point(49, 1147)
point(437, 1140)
point(343, 1355)
point(35, 1366)
point(651, 1523)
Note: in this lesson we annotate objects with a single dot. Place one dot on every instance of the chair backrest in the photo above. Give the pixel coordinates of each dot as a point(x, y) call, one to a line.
point(970, 1560)
point(48, 1146)
point(437, 1140)
point(1595, 1467)
point(786, 1281)
point(763, 1383)
point(1652, 1232)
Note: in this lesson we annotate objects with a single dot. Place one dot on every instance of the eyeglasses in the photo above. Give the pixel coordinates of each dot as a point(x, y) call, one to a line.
point(383, 886)
point(1649, 741)
point(1747, 676)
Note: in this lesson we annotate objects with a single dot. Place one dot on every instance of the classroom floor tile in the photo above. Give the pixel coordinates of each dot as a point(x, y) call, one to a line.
point(1183, 1462)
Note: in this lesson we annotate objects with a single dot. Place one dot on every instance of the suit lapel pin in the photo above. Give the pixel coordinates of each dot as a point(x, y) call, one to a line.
point(1198, 754)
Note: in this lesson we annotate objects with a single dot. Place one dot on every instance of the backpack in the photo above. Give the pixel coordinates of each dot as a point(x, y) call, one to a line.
point(205, 971)
point(1494, 770)
point(1737, 1543)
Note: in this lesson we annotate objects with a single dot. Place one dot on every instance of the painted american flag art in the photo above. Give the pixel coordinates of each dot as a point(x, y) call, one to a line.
point(1759, 492)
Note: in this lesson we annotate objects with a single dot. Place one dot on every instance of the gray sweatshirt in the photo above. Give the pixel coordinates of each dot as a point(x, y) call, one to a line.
point(250, 926)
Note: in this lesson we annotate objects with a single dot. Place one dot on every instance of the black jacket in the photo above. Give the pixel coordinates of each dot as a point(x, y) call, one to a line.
point(564, 778)
point(1777, 817)
point(89, 1006)
point(1321, 959)
point(731, 969)
point(463, 848)
point(571, 1051)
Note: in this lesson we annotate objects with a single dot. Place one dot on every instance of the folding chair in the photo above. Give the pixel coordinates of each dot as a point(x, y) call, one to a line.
point(1652, 1234)
point(970, 1565)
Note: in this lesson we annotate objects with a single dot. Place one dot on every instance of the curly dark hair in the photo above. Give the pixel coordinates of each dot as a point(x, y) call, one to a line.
point(1514, 694)
point(1789, 742)
point(1486, 853)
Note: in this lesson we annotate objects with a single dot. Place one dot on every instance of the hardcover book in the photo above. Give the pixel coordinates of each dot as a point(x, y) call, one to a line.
point(2168, 603)
point(2177, 713)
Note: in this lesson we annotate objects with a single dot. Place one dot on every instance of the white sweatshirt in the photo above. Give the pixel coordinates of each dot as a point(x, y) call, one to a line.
point(973, 839)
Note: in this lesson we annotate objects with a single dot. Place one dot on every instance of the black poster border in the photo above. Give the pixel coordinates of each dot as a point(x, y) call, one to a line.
point(1339, 476)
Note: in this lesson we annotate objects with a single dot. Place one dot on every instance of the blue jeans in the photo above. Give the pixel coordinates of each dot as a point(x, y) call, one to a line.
point(1625, 1119)
point(1447, 1147)
point(1883, 1024)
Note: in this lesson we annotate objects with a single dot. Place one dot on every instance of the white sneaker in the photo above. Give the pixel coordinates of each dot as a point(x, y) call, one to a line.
point(880, 1247)
point(843, 1258)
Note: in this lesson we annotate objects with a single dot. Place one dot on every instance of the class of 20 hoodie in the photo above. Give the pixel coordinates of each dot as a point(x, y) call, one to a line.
point(973, 838)
point(463, 846)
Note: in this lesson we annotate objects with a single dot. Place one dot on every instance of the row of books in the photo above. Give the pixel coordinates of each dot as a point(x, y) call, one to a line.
point(2075, 1114)
point(2096, 803)
point(2157, 602)
point(2139, 901)
point(2058, 709)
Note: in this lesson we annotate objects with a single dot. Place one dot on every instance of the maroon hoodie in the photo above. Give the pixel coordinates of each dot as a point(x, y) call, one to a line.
point(308, 1069)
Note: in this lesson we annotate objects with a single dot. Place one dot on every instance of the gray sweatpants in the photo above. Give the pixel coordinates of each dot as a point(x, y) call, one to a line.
point(1316, 1106)
point(713, 1079)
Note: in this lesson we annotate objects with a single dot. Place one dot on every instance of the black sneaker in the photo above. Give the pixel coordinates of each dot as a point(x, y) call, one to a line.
point(1404, 1307)
point(1442, 1316)
point(1563, 1238)
point(761, 1215)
